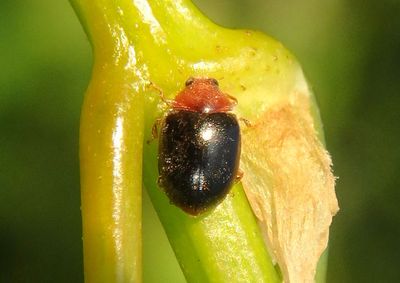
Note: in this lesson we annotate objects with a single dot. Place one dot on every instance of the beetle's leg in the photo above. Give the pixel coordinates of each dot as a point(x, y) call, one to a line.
point(239, 176)
point(154, 130)
point(159, 181)
point(245, 121)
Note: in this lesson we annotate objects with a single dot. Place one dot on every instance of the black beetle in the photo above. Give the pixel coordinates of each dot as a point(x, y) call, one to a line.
point(199, 146)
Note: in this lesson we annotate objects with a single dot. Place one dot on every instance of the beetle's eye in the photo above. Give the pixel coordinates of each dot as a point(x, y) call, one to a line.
point(215, 82)
point(189, 81)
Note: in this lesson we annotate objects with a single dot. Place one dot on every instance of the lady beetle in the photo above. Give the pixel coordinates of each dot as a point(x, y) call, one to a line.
point(199, 146)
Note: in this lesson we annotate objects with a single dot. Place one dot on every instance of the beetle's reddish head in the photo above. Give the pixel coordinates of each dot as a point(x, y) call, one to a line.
point(203, 95)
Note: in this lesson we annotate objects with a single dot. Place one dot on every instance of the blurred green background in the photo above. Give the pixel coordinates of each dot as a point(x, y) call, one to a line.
point(350, 52)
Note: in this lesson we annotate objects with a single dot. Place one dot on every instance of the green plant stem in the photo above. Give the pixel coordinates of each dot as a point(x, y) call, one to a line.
point(163, 42)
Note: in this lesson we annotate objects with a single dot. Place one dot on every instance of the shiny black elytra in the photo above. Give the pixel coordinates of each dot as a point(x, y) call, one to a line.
point(198, 158)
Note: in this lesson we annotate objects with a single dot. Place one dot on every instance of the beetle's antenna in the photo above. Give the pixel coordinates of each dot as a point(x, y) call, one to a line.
point(169, 102)
point(234, 99)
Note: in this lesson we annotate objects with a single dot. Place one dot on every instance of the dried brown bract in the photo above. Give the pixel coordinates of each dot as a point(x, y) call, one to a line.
point(290, 185)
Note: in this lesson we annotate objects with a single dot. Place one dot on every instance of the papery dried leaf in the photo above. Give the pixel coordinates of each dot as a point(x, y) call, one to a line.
point(290, 186)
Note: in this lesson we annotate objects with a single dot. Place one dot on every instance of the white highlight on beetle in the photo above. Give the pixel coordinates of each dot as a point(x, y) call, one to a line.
point(198, 180)
point(207, 109)
point(207, 134)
